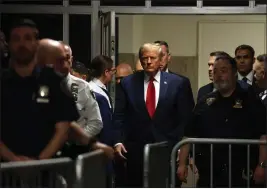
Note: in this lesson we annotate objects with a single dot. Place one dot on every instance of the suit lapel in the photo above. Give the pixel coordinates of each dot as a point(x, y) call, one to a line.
point(162, 91)
point(139, 93)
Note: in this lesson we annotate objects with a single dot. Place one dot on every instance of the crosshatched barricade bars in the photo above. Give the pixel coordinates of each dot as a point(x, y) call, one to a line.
point(52, 173)
point(212, 143)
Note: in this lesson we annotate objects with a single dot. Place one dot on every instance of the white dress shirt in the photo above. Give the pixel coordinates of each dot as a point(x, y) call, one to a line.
point(249, 77)
point(156, 84)
point(96, 86)
point(90, 118)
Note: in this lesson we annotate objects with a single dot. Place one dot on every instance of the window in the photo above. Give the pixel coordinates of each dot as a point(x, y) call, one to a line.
point(80, 2)
point(80, 37)
point(225, 3)
point(122, 2)
point(50, 26)
point(181, 3)
point(261, 2)
point(33, 2)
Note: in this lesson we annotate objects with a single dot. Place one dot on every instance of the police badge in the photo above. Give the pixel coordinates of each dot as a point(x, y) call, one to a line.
point(43, 91)
point(238, 104)
point(43, 94)
point(210, 101)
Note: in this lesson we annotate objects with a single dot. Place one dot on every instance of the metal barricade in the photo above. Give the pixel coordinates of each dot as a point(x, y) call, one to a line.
point(91, 170)
point(37, 173)
point(211, 142)
point(156, 165)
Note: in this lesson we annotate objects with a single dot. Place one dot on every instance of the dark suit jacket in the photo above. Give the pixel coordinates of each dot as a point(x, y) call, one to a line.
point(188, 91)
point(203, 91)
point(171, 116)
point(105, 135)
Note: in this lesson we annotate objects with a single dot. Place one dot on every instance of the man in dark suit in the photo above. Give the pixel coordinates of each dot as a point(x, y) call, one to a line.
point(154, 108)
point(166, 59)
point(244, 56)
point(206, 89)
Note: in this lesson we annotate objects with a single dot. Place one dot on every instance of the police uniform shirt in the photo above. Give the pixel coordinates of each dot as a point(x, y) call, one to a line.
point(90, 117)
point(31, 107)
point(240, 116)
point(98, 87)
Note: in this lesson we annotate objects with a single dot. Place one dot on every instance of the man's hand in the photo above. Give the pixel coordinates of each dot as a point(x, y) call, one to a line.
point(259, 175)
point(107, 150)
point(192, 165)
point(119, 149)
point(182, 172)
point(23, 158)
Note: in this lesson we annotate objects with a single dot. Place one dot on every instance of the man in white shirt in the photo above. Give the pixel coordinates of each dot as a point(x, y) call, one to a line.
point(244, 55)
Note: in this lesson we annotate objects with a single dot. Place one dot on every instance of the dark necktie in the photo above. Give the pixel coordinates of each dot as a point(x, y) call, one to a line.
point(109, 97)
point(151, 98)
point(245, 79)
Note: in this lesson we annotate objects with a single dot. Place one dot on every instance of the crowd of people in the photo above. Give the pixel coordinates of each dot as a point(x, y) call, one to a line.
point(53, 106)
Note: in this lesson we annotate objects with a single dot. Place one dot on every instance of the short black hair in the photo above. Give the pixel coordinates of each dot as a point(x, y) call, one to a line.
point(230, 60)
point(246, 47)
point(164, 43)
point(99, 64)
point(25, 23)
point(262, 58)
point(80, 68)
point(219, 53)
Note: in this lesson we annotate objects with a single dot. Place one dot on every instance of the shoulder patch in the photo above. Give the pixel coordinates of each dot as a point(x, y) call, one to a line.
point(93, 94)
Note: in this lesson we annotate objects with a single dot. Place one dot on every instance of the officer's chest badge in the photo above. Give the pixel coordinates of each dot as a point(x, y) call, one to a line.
point(43, 91)
point(210, 101)
point(43, 94)
point(238, 104)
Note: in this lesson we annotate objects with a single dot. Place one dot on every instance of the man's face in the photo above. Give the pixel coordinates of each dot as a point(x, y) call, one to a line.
point(23, 44)
point(210, 64)
point(244, 61)
point(68, 54)
point(166, 57)
point(60, 61)
point(259, 71)
point(223, 75)
point(150, 60)
point(121, 73)
point(109, 73)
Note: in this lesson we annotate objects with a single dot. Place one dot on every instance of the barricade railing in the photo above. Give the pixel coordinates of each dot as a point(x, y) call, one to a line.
point(156, 165)
point(91, 170)
point(37, 173)
point(211, 142)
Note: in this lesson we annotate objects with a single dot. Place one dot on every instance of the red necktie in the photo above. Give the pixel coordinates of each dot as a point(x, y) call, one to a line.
point(151, 98)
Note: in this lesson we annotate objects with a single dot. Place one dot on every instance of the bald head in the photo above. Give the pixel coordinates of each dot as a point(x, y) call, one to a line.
point(138, 66)
point(49, 51)
point(123, 70)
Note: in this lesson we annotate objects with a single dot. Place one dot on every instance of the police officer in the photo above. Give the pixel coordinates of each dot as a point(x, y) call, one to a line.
point(36, 112)
point(232, 111)
point(90, 118)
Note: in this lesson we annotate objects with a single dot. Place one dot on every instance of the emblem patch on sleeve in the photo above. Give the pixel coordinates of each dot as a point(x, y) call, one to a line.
point(93, 94)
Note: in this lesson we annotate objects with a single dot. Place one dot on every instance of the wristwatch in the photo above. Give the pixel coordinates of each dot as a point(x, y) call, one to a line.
point(262, 164)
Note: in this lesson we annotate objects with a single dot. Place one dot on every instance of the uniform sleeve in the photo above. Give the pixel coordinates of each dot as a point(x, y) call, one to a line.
point(65, 106)
point(92, 112)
